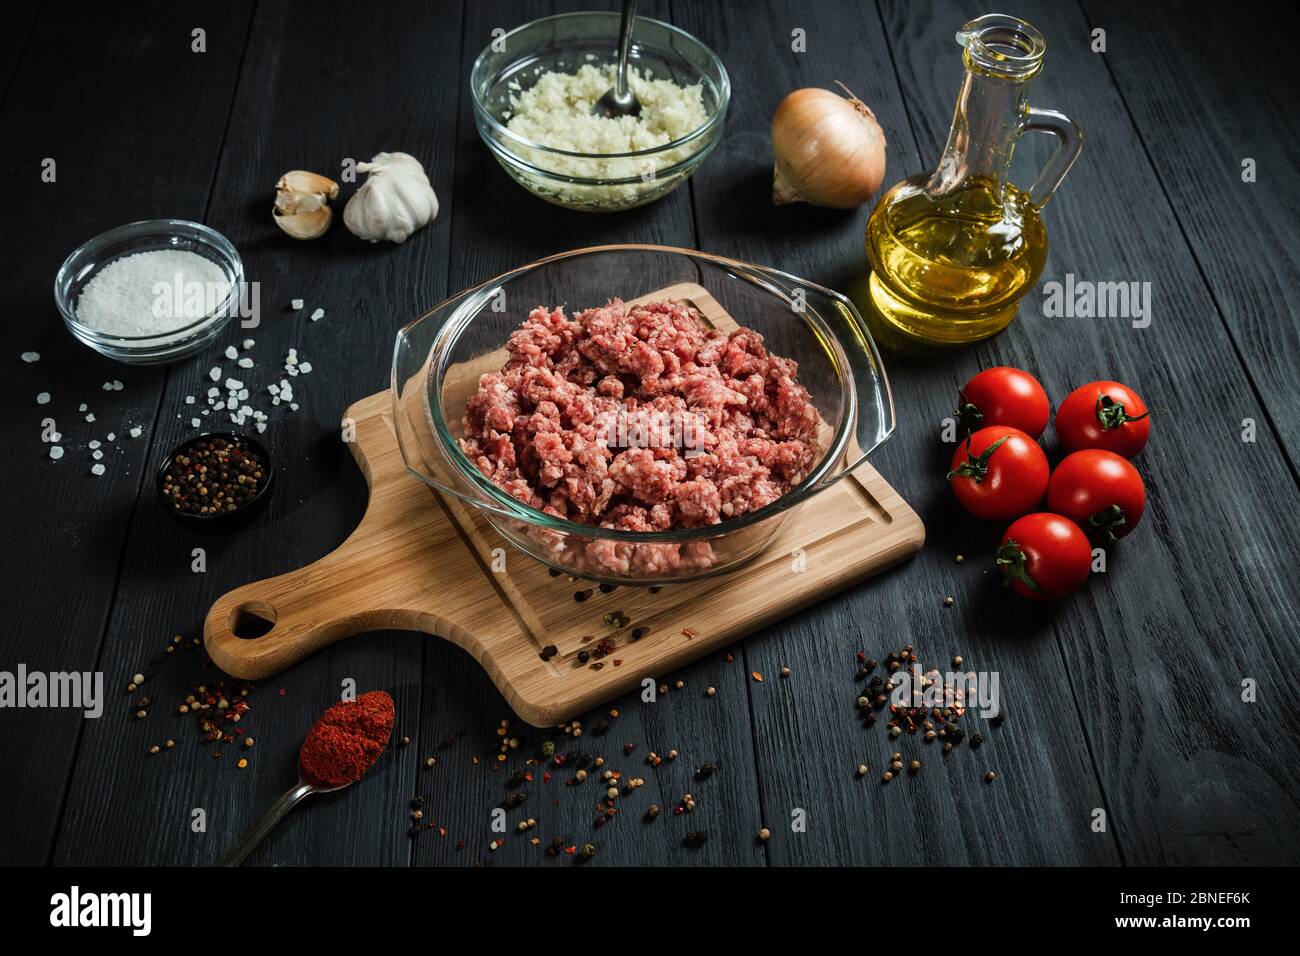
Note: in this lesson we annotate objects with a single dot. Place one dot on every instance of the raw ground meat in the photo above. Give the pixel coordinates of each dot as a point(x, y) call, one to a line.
point(642, 419)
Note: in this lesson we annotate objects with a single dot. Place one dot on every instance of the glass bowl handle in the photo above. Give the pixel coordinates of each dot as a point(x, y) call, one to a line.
point(873, 400)
point(417, 347)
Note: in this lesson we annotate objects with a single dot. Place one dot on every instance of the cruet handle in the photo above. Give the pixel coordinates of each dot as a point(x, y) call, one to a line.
point(1070, 142)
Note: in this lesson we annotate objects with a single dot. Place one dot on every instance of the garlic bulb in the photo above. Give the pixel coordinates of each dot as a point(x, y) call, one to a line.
point(302, 203)
point(394, 201)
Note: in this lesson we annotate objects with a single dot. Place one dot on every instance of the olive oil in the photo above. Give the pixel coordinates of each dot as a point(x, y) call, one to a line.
point(953, 270)
point(953, 251)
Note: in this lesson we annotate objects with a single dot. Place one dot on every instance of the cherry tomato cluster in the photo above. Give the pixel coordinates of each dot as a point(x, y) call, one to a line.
point(1000, 473)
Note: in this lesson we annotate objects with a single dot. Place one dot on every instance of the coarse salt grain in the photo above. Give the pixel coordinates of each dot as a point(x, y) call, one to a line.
point(245, 362)
point(96, 454)
point(93, 444)
point(56, 452)
point(97, 469)
point(214, 373)
point(43, 398)
point(90, 417)
point(232, 352)
point(318, 315)
point(296, 304)
point(120, 298)
point(30, 357)
point(248, 344)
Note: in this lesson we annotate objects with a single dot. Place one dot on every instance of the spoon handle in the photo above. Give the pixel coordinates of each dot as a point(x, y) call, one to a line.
point(624, 45)
point(264, 825)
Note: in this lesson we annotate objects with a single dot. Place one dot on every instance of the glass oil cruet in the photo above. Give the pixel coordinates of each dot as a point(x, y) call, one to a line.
point(953, 251)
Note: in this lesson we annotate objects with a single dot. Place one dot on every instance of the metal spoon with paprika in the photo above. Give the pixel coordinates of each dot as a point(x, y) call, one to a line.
point(339, 749)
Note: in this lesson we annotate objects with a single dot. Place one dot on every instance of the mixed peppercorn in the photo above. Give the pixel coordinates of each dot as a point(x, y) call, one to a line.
point(213, 476)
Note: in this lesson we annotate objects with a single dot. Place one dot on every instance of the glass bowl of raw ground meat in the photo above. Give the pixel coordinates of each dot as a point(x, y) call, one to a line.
point(638, 414)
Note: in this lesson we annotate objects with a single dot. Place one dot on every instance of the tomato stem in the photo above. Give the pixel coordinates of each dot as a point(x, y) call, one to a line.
point(968, 413)
point(976, 468)
point(1013, 561)
point(1107, 521)
point(1111, 413)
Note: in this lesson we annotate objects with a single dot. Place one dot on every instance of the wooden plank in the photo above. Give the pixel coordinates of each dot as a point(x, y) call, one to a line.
point(1153, 655)
point(1245, 237)
point(157, 112)
point(13, 41)
point(507, 228)
point(808, 740)
point(318, 85)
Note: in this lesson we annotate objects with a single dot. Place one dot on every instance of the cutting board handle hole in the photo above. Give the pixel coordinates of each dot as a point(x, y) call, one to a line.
point(252, 620)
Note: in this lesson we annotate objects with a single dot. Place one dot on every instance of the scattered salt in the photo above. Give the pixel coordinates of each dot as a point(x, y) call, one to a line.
point(295, 304)
point(214, 373)
point(248, 344)
point(318, 315)
point(97, 469)
point(96, 454)
point(111, 437)
point(232, 352)
point(93, 444)
point(30, 357)
point(194, 423)
point(81, 407)
point(245, 362)
point(43, 398)
point(56, 452)
point(305, 367)
point(136, 432)
point(90, 417)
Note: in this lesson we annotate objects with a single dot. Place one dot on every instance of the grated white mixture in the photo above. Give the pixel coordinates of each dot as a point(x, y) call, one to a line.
point(127, 297)
point(556, 112)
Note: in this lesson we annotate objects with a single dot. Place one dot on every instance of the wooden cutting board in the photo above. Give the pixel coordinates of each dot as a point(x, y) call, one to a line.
point(424, 561)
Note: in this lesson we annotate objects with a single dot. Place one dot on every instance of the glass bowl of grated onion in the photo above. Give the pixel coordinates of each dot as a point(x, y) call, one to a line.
point(534, 88)
point(152, 292)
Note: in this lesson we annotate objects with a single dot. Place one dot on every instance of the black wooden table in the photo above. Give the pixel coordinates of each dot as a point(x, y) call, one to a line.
point(1127, 698)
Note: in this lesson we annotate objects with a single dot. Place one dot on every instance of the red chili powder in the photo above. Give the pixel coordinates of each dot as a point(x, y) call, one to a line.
point(347, 740)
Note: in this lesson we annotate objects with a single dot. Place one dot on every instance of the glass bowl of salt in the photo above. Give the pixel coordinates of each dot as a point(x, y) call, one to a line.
point(152, 292)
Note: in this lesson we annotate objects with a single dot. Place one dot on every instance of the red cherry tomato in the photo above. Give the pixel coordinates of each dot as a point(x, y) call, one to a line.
point(1004, 396)
point(999, 473)
point(1044, 557)
point(1099, 491)
point(1104, 415)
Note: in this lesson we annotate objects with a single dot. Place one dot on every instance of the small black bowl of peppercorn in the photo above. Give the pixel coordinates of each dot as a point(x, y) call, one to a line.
point(216, 481)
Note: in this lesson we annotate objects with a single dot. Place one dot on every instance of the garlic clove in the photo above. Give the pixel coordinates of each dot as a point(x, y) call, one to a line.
point(311, 224)
point(301, 181)
point(302, 203)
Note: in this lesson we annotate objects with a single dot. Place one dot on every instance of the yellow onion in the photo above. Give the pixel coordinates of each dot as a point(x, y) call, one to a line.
point(830, 151)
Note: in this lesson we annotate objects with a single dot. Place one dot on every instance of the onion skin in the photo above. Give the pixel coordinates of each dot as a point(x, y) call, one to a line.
point(830, 151)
